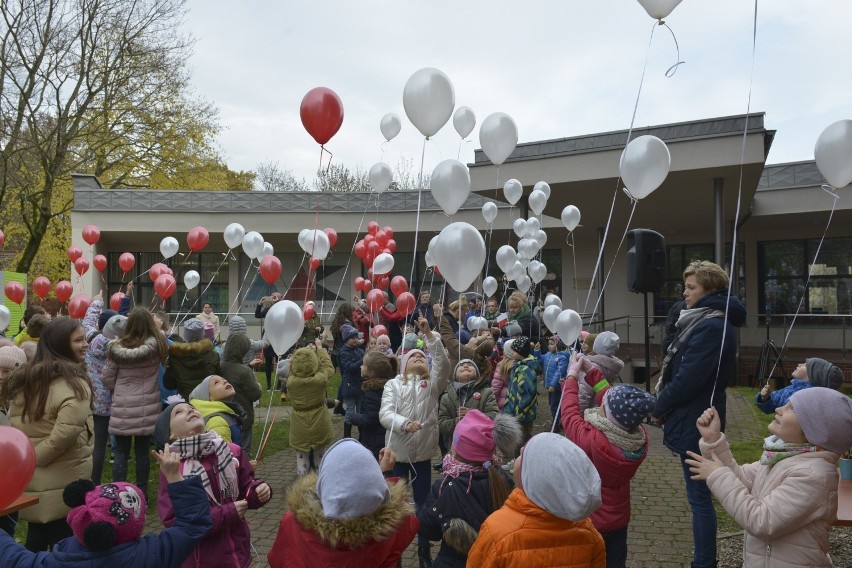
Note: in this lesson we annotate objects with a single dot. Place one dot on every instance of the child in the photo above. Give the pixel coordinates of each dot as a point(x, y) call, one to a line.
point(545, 521)
point(227, 477)
point(554, 364)
point(347, 516)
point(350, 356)
point(786, 502)
point(522, 399)
point(11, 357)
point(190, 362)
point(500, 379)
point(814, 372)
point(213, 399)
point(310, 424)
point(604, 347)
point(246, 388)
point(454, 512)
point(108, 520)
point(468, 391)
point(383, 345)
point(616, 442)
point(376, 370)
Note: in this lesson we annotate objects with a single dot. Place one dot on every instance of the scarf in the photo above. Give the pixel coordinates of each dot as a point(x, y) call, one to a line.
point(524, 312)
point(453, 469)
point(632, 441)
point(686, 323)
point(775, 449)
point(194, 448)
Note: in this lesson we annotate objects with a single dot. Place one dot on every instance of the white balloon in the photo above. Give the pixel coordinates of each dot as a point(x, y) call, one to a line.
point(489, 212)
point(450, 185)
point(527, 248)
point(460, 270)
point(489, 285)
point(169, 247)
point(506, 257)
point(516, 271)
point(464, 120)
point(253, 244)
point(537, 201)
point(553, 300)
point(520, 227)
point(267, 250)
point(532, 227)
point(524, 283)
point(430, 260)
point(658, 9)
point(644, 165)
point(543, 187)
point(432, 241)
point(428, 98)
point(191, 279)
point(570, 217)
point(390, 126)
point(283, 325)
point(380, 177)
point(383, 263)
point(5, 316)
point(513, 190)
point(537, 272)
point(833, 153)
point(314, 243)
point(524, 261)
point(568, 326)
point(476, 323)
point(549, 316)
point(541, 239)
point(498, 137)
point(234, 234)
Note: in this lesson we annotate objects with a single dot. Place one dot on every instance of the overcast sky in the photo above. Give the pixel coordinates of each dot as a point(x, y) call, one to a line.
point(559, 68)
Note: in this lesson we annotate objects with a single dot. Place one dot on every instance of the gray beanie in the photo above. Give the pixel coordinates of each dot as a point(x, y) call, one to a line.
point(513, 328)
point(193, 330)
point(237, 324)
point(825, 416)
point(409, 341)
point(821, 373)
point(470, 361)
point(202, 390)
point(163, 428)
point(114, 327)
point(606, 343)
point(350, 482)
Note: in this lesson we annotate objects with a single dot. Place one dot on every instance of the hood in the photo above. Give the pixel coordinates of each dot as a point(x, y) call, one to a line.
point(474, 385)
point(718, 299)
point(356, 532)
point(236, 348)
point(304, 363)
point(373, 384)
point(208, 407)
point(610, 366)
point(70, 552)
point(15, 381)
point(194, 349)
point(121, 354)
point(532, 363)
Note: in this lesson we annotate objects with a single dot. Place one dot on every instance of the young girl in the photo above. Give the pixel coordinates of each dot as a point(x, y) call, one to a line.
point(130, 372)
point(468, 391)
point(472, 487)
point(383, 345)
point(522, 400)
point(214, 400)
point(500, 380)
point(228, 479)
point(310, 424)
point(786, 502)
point(376, 370)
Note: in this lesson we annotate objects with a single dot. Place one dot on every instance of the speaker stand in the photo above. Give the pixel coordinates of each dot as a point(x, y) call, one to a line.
point(647, 344)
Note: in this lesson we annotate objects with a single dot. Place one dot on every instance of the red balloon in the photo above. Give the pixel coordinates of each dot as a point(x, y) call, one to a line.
point(2, 239)
point(368, 285)
point(374, 248)
point(157, 270)
point(314, 263)
point(388, 231)
point(382, 281)
point(369, 274)
point(375, 300)
point(379, 330)
point(398, 285)
point(100, 262)
point(126, 261)
point(391, 245)
point(165, 286)
point(368, 238)
point(405, 302)
point(81, 265)
point(359, 284)
point(372, 228)
point(387, 251)
point(41, 285)
point(360, 249)
point(368, 260)
point(18, 458)
point(115, 301)
point(63, 290)
point(332, 236)
point(321, 113)
point(270, 269)
point(197, 238)
point(91, 234)
point(74, 253)
point(15, 291)
point(382, 238)
point(78, 305)
point(308, 311)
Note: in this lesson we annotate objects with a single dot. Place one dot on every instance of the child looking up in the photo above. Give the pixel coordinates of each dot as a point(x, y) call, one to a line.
point(814, 372)
point(376, 370)
point(554, 364)
point(523, 394)
point(468, 391)
point(213, 399)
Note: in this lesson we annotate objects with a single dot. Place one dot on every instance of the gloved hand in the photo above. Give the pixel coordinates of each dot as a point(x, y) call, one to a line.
point(576, 365)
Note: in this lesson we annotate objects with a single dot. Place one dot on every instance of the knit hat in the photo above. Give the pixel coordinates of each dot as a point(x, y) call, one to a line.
point(29, 347)
point(404, 361)
point(12, 356)
point(104, 318)
point(347, 332)
point(409, 341)
point(193, 330)
point(513, 328)
point(557, 476)
point(464, 337)
point(627, 406)
point(282, 371)
point(237, 324)
point(821, 373)
point(825, 416)
point(163, 428)
point(522, 346)
point(507, 349)
point(560, 345)
point(350, 483)
point(201, 390)
point(476, 436)
point(469, 361)
point(114, 327)
point(606, 343)
point(106, 515)
point(209, 331)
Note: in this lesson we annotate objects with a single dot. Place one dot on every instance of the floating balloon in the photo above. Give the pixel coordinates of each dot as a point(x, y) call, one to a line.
point(516, 271)
point(308, 311)
point(359, 284)
point(537, 271)
point(464, 120)
point(41, 286)
point(553, 300)
point(489, 285)
point(531, 227)
point(380, 177)
point(321, 112)
point(460, 270)
point(197, 238)
point(267, 250)
point(489, 212)
point(63, 290)
point(513, 190)
point(644, 165)
point(372, 228)
point(18, 458)
point(570, 217)
point(367, 286)
point(314, 263)
point(81, 266)
point(450, 185)
point(430, 259)
point(833, 153)
point(506, 257)
point(543, 187)
point(115, 301)
point(169, 247)
point(378, 330)
point(252, 244)
point(234, 234)
point(165, 286)
point(405, 302)
point(74, 253)
point(520, 227)
point(549, 315)
point(568, 326)
point(476, 323)
point(375, 300)
point(314, 243)
point(126, 261)
point(658, 9)
point(498, 137)
point(157, 269)
point(382, 281)
point(191, 279)
point(541, 239)
point(284, 324)
point(398, 285)
point(100, 262)
point(15, 291)
point(332, 236)
point(270, 269)
point(428, 99)
point(524, 283)
point(383, 264)
point(91, 234)
point(5, 316)
point(390, 126)
point(78, 305)
point(537, 201)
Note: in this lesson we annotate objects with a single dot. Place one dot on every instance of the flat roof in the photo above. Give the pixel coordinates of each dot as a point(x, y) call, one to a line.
point(790, 175)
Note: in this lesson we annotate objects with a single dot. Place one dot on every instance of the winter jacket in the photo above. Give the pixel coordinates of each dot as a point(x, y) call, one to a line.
point(63, 439)
point(523, 393)
point(410, 398)
point(523, 319)
point(95, 358)
point(210, 318)
point(616, 466)
point(349, 359)
point(308, 539)
point(242, 378)
point(781, 396)
point(371, 433)
point(500, 388)
point(687, 392)
point(787, 509)
point(310, 423)
point(481, 355)
point(475, 394)
point(522, 534)
point(189, 364)
point(131, 374)
point(224, 418)
point(422, 310)
point(165, 550)
point(228, 543)
point(453, 513)
point(554, 367)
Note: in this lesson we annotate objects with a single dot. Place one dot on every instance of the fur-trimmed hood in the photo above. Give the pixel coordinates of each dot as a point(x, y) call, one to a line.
point(357, 532)
point(16, 379)
point(373, 384)
point(194, 349)
point(121, 354)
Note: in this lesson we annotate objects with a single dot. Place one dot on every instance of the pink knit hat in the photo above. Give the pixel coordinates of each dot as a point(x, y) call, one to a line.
point(106, 515)
point(209, 331)
point(406, 357)
point(473, 438)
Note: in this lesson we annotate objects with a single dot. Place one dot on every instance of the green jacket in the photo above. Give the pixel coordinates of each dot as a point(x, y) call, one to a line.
point(310, 422)
point(218, 424)
point(523, 392)
point(475, 394)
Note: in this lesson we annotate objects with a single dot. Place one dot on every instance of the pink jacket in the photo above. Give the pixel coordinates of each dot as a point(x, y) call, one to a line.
point(131, 375)
point(500, 388)
point(786, 510)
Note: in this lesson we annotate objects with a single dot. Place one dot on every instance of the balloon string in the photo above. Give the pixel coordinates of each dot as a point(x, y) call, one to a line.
point(330, 156)
point(489, 227)
point(201, 295)
point(417, 220)
point(240, 289)
point(600, 256)
point(313, 249)
point(574, 258)
point(673, 69)
point(349, 259)
point(174, 325)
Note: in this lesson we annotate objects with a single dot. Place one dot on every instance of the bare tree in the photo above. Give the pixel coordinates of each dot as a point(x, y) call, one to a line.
point(272, 177)
point(340, 178)
point(405, 176)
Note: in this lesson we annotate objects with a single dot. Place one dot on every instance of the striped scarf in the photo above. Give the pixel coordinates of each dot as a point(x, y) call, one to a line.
point(194, 448)
point(775, 449)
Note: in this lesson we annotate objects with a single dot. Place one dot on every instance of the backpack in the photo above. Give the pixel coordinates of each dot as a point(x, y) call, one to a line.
point(234, 423)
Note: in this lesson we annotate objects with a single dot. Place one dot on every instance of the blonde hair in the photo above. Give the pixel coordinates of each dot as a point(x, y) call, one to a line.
point(519, 298)
point(708, 274)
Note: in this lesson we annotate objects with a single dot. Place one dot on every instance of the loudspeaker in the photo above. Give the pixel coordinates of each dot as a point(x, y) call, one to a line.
point(646, 260)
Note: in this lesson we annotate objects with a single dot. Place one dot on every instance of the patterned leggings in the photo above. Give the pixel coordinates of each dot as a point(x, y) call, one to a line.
point(303, 460)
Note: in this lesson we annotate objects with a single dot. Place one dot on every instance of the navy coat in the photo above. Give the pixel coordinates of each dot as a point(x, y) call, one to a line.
point(349, 359)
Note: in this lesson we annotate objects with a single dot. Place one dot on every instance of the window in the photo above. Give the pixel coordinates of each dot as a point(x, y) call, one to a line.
point(679, 257)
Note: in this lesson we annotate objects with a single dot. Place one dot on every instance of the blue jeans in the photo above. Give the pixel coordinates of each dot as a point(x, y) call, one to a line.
point(420, 474)
point(352, 405)
point(703, 519)
point(616, 548)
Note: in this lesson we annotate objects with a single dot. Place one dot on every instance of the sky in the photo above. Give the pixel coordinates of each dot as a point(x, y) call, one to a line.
point(558, 68)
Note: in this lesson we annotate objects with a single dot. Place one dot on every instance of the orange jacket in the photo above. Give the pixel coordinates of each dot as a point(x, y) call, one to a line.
point(523, 534)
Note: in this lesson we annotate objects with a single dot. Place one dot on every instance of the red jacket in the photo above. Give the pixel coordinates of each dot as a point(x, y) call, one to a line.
point(615, 466)
point(363, 320)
